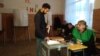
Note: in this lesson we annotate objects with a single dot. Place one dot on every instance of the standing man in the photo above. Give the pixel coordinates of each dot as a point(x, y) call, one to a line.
point(40, 26)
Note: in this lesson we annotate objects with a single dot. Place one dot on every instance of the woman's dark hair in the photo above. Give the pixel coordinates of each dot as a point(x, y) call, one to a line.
point(46, 5)
point(69, 23)
point(82, 22)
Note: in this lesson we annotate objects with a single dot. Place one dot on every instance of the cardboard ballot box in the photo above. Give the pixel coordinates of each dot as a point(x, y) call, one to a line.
point(53, 48)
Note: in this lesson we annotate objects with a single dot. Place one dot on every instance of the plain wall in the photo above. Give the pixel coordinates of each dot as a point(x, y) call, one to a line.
point(97, 4)
point(57, 6)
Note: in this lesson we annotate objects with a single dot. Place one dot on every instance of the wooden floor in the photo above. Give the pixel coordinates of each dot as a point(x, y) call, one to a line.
point(24, 48)
point(18, 49)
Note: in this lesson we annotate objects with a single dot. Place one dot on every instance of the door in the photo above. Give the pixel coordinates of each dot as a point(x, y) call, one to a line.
point(7, 24)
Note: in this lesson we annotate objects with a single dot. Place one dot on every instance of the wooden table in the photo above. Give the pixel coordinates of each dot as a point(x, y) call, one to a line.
point(76, 48)
point(60, 39)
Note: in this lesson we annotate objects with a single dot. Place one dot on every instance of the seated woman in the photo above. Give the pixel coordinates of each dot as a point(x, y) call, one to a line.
point(81, 32)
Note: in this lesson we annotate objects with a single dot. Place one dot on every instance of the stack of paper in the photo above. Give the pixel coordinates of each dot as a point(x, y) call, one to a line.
point(52, 42)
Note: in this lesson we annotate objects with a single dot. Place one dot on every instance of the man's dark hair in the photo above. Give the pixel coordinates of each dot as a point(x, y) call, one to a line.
point(46, 5)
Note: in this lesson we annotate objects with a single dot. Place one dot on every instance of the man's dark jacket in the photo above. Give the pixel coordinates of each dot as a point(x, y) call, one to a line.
point(40, 25)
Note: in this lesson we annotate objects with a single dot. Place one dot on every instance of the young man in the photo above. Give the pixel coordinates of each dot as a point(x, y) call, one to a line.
point(40, 26)
point(68, 28)
point(86, 36)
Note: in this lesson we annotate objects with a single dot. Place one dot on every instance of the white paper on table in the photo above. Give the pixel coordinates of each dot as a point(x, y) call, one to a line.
point(52, 42)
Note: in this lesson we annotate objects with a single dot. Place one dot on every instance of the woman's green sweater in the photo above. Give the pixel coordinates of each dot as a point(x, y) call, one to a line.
point(84, 36)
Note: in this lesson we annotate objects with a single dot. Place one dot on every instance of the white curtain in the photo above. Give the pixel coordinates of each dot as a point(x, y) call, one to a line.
point(76, 10)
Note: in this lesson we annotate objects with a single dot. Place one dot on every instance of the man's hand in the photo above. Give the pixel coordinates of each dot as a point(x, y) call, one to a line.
point(48, 28)
point(47, 38)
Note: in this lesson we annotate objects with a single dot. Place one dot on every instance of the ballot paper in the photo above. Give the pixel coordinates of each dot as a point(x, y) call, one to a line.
point(52, 42)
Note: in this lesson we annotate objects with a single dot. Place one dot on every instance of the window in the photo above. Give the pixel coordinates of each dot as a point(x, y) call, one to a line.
point(76, 10)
